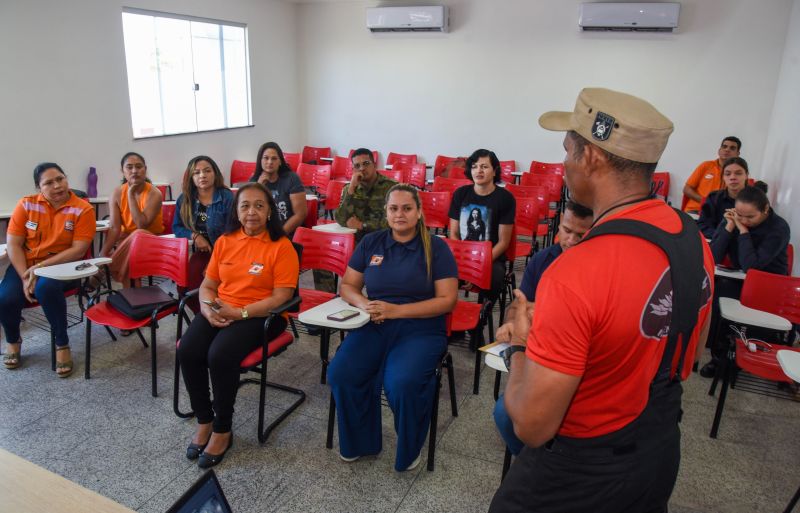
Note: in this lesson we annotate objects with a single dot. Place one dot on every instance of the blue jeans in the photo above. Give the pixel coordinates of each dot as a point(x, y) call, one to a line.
point(50, 295)
point(506, 427)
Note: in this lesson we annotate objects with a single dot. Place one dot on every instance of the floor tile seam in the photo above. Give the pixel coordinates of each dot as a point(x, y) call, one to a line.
point(143, 503)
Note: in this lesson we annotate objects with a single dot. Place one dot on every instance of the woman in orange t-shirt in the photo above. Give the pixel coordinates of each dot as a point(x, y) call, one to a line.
point(135, 205)
point(253, 269)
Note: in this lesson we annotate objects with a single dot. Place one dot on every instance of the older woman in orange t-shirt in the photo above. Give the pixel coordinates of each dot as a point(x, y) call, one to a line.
point(253, 269)
point(135, 205)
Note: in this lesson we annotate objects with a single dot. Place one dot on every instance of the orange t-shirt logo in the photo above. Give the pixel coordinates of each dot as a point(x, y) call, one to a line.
point(256, 268)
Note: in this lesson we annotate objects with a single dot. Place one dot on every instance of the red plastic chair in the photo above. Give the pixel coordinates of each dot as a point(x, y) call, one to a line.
point(292, 160)
point(435, 207)
point(341, 168)
point(392, 174)
point(312, 212)
point(315, 176)
point(506, 168)
point(241, 171)
point(151, 255)
point(256, 362)
point(328, 252)
point(444, 184)
point(312, 154)
point(545, 228)
point(441, 163)
point(413, 174)
point(474, 261)
point(554, 184)
point(772, 293)
point(333, 196)
point(458, 172)
point(661, 184)
point(547, 168)
point(374, 155)
point(394, 158)
point(168, 215)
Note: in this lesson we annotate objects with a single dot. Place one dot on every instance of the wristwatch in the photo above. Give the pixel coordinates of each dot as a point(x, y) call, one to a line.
point(245, 315)
point(508, 352)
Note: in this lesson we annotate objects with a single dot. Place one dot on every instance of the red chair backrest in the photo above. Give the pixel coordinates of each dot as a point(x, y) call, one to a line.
point(441, 183)
point(526, 218)
point(392, 174)
point(474, 261)
point(312, 209)
point(435, 206)
point(292, 160)
point(333, 194)
point(394, 158)
point(374, 155)
point(241, 171)
point(312, 154)
point(413, 174)
point(529, 191)
point(166, 257)
point(316, 176)
point(661, 184)
point(554, 183)
point(458, 172)
point(440, 164)
point(341, 168)
point(773, 293)
point(506, 168)
point(168, 214)
point(324, 250)
point(547, 168)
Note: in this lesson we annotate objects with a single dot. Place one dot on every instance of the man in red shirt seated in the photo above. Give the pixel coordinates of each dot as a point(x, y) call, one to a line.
point(594, 389)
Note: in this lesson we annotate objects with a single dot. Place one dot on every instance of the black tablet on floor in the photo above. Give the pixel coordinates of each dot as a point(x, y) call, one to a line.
point(205, 496)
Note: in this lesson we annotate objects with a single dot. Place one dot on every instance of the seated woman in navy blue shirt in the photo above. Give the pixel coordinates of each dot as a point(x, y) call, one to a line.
point(734, 178)
point(753, 236)
point(411, 279)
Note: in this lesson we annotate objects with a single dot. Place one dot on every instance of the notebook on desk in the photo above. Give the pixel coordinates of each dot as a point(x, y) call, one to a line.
point(205, 496)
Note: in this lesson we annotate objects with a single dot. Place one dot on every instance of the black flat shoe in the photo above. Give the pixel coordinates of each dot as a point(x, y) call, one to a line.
point(194, 450)
point(209, 460)
point(709, 370)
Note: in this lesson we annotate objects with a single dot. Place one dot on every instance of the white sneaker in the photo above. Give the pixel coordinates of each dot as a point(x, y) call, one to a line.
point(348, 460)
point(415, 463)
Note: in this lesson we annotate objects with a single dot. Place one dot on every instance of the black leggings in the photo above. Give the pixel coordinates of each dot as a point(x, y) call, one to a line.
point(205, 349)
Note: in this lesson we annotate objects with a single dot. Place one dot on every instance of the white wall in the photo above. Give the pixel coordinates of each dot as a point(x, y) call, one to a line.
point(507, 61)
point(782, 155)
point(64, 90)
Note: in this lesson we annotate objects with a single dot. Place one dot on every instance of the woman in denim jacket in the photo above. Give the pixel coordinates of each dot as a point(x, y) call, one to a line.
point(203, 218)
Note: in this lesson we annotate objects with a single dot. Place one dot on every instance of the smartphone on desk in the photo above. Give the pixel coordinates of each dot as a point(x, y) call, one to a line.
point(343, 315)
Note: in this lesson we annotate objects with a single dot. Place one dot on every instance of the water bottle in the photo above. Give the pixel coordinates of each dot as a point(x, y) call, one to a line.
point(91, 181)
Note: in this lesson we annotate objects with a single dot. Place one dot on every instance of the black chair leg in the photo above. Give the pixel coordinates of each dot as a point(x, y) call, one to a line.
point(434, 421)
point(154, 378)
point(497, 385)
point(176, 392)
point(721, 401)
point(476, 380)
point(111, 333)
point(451, 381)
point(324, 350)
point(88, 335)
point(141, 337)
point(331, 420)
point(506, 463)
point(793, 502)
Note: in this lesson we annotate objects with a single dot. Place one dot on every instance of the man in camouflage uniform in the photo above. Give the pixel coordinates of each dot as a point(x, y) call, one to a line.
point(362, 205)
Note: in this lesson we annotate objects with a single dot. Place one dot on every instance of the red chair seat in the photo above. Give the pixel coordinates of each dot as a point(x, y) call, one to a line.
point(465, 316)
point(312, 298)
point(279, 342)
point(762, 363)
point(106, 315)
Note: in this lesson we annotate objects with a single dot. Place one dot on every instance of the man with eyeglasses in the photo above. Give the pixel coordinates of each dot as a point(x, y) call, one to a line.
point(361, 207)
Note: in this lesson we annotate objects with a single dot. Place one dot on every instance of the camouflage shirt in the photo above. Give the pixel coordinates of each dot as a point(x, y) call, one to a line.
point(366, 204)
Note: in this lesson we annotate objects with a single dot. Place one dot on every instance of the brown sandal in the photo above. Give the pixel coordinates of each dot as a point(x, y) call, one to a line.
point(13, 359)
point(67, 366)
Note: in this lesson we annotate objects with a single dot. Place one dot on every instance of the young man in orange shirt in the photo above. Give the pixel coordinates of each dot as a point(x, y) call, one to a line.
point(707, 177)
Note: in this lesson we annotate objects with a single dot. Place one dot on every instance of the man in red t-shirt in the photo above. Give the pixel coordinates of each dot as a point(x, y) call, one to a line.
point(595, 391)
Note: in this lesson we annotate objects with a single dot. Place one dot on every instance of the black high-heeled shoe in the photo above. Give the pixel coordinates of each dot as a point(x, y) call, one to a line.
point(209, 460)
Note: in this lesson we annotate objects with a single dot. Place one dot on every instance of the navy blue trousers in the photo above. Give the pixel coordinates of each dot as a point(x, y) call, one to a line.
point(50, 295)
point(506, 427)
point(400, 356)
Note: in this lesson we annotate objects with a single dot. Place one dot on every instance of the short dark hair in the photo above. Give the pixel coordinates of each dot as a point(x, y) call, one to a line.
point(735, 139)
point(579, 210)
point(129, 155)
point(739, 161)
point(630, 168)
point(41, 168)
point(761, 185)
point(477, 154)
point(363, 151)
point(274, 224)
point(284, 167)
point(754, 196)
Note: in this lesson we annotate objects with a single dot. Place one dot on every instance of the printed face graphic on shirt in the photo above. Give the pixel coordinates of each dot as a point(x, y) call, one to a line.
point(657, 311)
point(474, 222)
point(283, 212)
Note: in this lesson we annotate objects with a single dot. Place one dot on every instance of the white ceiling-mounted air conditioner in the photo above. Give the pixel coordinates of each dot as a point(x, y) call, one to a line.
point(654, 17)
point(408, 19)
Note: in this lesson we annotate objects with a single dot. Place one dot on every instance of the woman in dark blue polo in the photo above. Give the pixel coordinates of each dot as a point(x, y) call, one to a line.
point(412, 283)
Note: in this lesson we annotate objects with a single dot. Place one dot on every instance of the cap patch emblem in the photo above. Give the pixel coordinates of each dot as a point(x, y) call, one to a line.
point(603, 123)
